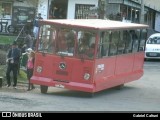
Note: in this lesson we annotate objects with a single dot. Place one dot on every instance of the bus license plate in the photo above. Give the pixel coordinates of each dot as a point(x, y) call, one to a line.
point(153, 54)
point(59, 86)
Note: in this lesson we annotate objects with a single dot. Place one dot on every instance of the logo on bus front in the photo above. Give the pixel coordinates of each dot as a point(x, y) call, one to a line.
point(62, 66)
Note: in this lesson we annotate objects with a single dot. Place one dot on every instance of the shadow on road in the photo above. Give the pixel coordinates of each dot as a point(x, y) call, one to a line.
point(78, 94)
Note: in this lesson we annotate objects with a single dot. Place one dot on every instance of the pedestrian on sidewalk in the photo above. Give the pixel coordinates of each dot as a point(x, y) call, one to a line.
point(13, 61)
point(30, 68)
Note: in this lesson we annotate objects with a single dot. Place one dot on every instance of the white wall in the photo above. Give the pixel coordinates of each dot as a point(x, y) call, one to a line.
point(43, 8)
point(71, 6)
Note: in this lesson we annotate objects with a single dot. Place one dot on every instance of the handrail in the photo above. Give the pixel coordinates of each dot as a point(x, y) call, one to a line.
point(19, 33)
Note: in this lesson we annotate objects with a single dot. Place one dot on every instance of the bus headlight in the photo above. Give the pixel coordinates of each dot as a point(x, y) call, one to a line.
point(87, 76)
point(39, 69)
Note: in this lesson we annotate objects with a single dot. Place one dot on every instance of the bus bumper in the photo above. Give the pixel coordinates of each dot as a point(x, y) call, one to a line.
point(70, 85)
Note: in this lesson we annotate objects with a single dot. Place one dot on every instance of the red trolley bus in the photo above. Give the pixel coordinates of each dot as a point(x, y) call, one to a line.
point(88, 55)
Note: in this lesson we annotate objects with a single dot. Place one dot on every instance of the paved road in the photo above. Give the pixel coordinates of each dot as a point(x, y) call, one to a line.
point(141, 95)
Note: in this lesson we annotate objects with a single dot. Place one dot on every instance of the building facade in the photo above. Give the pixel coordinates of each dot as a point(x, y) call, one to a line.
point(155, 5)
point(16, 13)
point(134, 10)
point(23, 11)
point(66, 9)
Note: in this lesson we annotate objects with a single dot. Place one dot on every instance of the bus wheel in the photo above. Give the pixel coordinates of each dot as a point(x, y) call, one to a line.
point(90, 95)
point(44, 89)
point(119, 87)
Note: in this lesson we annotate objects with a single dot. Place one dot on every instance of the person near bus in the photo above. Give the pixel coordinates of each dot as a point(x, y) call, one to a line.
point(62, 42)
point(28, 40)
point(30, 68)
point(13, 60)
point(84, 46)
point(90, 52)
point(36, 25)
point(70, 41)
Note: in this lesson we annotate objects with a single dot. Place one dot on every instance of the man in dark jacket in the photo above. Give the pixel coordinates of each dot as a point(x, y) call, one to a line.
point(13, 59)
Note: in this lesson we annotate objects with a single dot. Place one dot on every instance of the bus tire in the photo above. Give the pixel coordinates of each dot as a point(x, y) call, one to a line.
point(119, 87)
point(90, 95)
point(44, 89)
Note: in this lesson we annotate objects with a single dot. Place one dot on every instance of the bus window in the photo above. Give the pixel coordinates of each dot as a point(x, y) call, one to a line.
point(86, 44)
point(128, 44)
point(104, 44)
point(143, 40)
point(65, 42)
point(113, 43)
point(135, 34)
point(47, 39)
point(121, 43)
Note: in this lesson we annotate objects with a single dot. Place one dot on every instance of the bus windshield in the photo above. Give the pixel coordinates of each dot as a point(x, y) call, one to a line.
point(66, 42)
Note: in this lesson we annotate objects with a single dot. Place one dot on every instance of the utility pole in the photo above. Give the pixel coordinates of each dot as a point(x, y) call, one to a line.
point(142, 12)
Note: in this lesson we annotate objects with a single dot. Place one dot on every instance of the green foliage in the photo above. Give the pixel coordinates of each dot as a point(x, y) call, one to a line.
point(6, 39)
point(22, 77)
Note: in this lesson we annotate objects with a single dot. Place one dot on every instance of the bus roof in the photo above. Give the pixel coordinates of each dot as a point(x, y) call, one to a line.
point(95, 24)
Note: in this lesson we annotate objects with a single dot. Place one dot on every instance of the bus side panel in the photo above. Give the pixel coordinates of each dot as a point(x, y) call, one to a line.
point(137, 67)
point(105, 73)
point(138, 61)
point(124, 64)
point(117, 70)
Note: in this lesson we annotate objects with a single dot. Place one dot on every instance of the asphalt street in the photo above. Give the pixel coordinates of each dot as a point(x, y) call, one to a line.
point(140, 95)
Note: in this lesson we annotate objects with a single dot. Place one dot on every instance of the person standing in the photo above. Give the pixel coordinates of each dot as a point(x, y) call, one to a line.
point(36, 25)
point(13, 59)
point(28, 40)
point(30, 68)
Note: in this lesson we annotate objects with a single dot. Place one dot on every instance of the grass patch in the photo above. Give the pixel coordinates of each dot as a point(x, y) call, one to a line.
point(3, 70)
point(6, 39)
point(22, 77)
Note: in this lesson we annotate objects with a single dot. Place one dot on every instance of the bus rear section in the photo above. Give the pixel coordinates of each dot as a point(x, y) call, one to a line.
point(88, 55)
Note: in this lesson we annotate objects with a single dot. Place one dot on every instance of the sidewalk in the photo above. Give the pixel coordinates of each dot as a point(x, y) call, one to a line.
point(21, 87)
